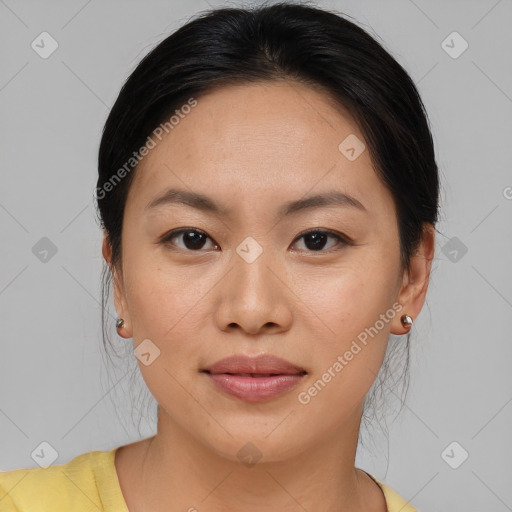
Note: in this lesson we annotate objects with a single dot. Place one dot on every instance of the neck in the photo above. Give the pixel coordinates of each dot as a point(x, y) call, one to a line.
point(179, 471)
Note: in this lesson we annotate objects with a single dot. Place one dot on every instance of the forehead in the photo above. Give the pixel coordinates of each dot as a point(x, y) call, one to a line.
point(256, 142)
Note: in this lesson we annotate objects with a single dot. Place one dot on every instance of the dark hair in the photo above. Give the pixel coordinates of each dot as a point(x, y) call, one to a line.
point(275, 42)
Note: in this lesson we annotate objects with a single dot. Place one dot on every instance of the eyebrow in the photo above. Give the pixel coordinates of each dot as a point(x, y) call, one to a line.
point(206, 204)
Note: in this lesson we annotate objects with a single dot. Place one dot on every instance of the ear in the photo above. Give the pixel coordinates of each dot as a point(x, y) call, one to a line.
point(120, 303)
point(415, 282)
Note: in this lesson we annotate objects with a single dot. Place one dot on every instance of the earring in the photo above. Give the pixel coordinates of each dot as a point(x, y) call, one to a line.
point(406, 321)
point(119, 323)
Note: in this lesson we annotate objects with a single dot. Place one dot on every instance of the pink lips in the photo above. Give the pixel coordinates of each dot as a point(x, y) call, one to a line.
point(254, 379)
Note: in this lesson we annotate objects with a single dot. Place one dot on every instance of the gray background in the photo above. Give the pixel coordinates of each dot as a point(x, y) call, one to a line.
point(55, 384)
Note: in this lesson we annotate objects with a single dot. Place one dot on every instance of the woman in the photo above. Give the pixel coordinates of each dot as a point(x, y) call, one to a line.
point(268, 194)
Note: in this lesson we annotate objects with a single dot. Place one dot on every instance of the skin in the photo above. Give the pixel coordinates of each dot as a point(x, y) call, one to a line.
point(252, 148)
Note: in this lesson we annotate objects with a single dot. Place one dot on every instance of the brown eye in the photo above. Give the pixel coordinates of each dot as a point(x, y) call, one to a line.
point(191, 239)
point(195, 240)
point(316, 240)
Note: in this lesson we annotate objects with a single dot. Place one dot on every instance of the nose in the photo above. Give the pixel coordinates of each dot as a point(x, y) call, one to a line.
point(253, 296)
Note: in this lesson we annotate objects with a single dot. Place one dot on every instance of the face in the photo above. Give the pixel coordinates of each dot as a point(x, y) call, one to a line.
point(251, 278)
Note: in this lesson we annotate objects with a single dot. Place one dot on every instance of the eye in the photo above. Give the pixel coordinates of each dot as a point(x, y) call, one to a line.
point(193, 239)
point(315, 239)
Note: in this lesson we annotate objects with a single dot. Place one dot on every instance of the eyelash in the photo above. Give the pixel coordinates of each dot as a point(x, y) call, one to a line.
point(166, 239)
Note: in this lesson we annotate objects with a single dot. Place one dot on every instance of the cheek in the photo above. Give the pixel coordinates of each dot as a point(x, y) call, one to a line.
point(343, 300)
point(352, 320)
point(166, 303)
point(349, 353)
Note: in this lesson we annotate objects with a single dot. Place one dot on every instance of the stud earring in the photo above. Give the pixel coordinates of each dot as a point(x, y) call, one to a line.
point(406, 321)
point(119, 323)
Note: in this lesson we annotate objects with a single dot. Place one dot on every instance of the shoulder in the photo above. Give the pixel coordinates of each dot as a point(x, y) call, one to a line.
point(71, 486)
point(394, 502)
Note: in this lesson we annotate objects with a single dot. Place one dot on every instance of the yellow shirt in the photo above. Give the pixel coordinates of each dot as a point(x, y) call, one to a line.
point(89, 483)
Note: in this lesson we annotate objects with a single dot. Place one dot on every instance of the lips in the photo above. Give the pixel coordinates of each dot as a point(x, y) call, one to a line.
point(253, 374)
point(254, 379)
point(264, 365)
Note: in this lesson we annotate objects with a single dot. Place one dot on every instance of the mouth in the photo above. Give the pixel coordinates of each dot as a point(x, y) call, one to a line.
point(253, 374)
point(254, 366)
point(254, 379)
